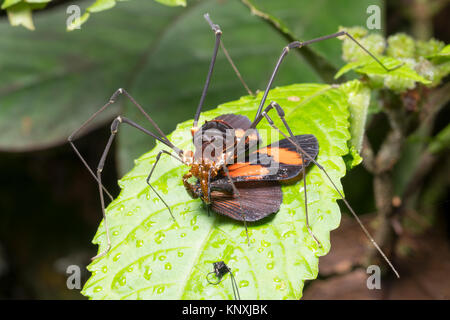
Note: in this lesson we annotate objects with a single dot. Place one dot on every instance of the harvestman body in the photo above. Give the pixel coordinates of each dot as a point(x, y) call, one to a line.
point(206, 170)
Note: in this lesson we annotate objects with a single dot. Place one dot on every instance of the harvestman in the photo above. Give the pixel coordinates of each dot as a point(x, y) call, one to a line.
point(201, 169)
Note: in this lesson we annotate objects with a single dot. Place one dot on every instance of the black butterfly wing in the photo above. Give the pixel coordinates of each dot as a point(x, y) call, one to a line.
point(278, 161)
point(256, 201)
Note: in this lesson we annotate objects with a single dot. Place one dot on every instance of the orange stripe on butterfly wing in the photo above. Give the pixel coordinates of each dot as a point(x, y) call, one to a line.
point(247, 169)
point(282, 155)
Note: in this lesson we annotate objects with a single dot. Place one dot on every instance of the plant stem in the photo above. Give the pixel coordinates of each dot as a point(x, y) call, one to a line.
point(324, 69)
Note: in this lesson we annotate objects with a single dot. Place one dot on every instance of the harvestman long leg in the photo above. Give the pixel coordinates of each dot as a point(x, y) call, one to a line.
point(286, 50)
point(111, 100)
point(114, 129)
point(281, 115)
point(158, 156)
point(218, 34)
point(218, 43)
point(272, 124)
point(299, 44)
point(237, 194)
point(259, 114)
point(238, 74)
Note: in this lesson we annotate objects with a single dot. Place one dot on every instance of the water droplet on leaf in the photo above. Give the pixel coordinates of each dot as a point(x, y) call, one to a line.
point(160, 290)
point(147, 273)
point(264, 243)
point(243, 284)
point(160, 237)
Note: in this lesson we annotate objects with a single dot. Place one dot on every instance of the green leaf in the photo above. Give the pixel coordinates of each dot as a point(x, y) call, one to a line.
point(401, 45)
point(444, 53)
point(373, 42)
point(9, 3)
point(37, 1)
point(400, 79)
point(402, 50)
point(173, 2)
point(152, 257)
point(358, 97)
point(20, 12)
point(102, 5)
point(440, 63)
point(20, 15)
point(353, 158)
point(429, 48)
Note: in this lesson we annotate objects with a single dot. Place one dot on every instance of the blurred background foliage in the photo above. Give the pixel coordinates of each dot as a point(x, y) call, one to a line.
point(51, 80)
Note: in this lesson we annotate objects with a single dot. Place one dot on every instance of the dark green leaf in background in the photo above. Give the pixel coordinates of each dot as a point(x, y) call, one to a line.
point(51, 80)
point(171, 73)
